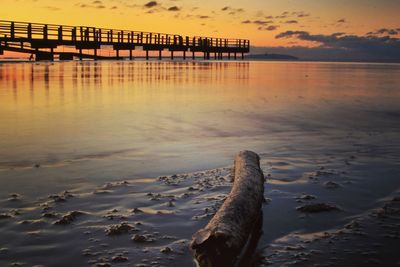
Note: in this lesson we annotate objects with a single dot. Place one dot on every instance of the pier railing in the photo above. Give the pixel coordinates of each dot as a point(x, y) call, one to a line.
point(50, 36)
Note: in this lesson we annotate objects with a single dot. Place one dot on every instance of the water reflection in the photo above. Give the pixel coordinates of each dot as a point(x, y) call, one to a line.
point(85, 75)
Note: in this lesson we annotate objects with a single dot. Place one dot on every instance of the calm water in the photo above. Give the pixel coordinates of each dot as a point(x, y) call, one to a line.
point(91, 122)
point(78, 125)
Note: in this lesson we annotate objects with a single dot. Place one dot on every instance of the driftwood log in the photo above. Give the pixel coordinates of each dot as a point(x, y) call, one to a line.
point(236, 226)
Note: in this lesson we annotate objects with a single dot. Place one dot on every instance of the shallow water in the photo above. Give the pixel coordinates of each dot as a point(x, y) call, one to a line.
point(93, 122)
point(77, 125)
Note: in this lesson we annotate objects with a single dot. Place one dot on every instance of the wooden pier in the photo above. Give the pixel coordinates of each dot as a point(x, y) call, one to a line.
point(43, 41)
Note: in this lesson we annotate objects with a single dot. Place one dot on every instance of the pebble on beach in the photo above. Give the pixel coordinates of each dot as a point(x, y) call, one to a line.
point(119, 258)
point(317, 207)
point(15, 197)
point(139, 238)
point(4, 216)
point(166, 250)
point(306, 197)
point(69, 218)
point(121, 228)
point(331, 185)
point(142, 238)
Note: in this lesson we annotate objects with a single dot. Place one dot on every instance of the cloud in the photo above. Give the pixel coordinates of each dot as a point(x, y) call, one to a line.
point(262, 25)
point(301, 14)
point(174, 8)
point(341, 21)
point(95, 4)
point(231, 10)
point(262, 22)
point(123, 3)
point(287, 15)
point(52, 8)
point(385, 31)
point(151, 4)
point(291, 22)
point(384, 48)
point(257, 22)
point(268, 28)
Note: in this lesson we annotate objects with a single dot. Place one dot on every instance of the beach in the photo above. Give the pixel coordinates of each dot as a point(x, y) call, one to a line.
point(119, 163)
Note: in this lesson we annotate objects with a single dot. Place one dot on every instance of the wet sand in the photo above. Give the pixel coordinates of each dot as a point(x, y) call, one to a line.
point(149, 222)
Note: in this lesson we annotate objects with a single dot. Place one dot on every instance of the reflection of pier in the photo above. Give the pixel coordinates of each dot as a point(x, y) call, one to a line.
point(82, 78)
point(42, 40)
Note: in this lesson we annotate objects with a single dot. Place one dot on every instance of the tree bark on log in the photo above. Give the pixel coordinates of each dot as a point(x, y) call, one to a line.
point(225, 238)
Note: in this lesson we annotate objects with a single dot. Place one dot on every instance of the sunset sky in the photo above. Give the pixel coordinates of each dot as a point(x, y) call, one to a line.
point(267, 23)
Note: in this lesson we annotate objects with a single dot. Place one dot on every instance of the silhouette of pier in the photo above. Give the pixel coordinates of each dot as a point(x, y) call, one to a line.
point(42, 40)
